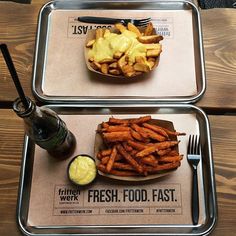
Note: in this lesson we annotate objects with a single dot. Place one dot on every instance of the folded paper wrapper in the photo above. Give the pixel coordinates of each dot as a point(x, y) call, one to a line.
point(49, 178)
point(99, 145)
point(92, 35)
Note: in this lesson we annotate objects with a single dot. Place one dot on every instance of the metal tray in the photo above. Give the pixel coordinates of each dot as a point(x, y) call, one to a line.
point(207, 191)
point(60, 74)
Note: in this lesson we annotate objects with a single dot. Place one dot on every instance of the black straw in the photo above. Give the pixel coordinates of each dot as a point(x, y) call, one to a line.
point(14, 75)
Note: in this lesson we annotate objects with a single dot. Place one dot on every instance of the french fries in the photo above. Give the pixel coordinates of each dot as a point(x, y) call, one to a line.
point(135, 53)
point(137, 147)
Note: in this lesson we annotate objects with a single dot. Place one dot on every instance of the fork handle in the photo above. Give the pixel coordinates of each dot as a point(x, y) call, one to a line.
point(195, 198)
point(98, 20)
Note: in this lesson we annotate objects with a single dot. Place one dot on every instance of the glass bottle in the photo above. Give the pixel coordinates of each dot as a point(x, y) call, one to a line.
point(46, 129)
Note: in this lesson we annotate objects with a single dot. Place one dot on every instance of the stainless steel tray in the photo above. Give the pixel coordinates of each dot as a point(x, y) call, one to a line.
point(207, 191)
point(60, 74)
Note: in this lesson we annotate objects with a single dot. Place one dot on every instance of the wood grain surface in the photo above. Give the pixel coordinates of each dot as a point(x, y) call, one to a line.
point(223, 132)
point(11, 140)
point(219, 36)
point(18, 23)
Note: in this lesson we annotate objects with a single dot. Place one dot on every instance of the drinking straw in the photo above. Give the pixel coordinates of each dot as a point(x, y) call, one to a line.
point(14, 75)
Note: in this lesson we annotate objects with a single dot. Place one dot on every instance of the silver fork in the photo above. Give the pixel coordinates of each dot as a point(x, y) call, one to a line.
point(107, 20)
point(136, 22)
point(193, 156)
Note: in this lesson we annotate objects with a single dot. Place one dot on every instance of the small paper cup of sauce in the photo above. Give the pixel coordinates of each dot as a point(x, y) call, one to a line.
point(82, 170)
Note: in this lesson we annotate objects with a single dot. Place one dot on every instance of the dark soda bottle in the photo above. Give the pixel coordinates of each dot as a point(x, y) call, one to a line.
point(46, 129)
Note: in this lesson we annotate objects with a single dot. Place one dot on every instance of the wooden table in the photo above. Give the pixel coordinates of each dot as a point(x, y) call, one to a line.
point(18, 24)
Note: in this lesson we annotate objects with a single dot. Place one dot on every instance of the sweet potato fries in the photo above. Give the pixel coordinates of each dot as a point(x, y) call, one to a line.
point(137, 147)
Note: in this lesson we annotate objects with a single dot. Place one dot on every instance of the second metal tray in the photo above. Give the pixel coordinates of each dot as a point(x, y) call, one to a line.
point(41, 212)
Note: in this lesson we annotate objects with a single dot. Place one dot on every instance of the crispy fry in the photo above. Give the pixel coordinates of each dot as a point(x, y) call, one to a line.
point(173, 153)
point(158, 135)
point(151, 59)
point(120, 27)
point(122, 62)
point(149, 29)
point(136, 135)
point(111, 159)
point(113, 65)
point(140, 120)
point(157, 129)
point(137, 145)
point(90, 43)
point(105, 159)
point(128, 70)
point(117, 121)
point(106, 152)
point(133, 152)
point(117, 136)
point(104, 68)
point(152, 46)
point(158, 168)
point(170, 158)
point(151, 64)
point(99, 156)
point(146, 151)
point(104, 124)
point(150, 39)
point(141, 67)
point(139, 130)
point(102, 168)
point(127, 147)
point(154, 135)
point(95, 65)
point(99, 33)
point(149, 160)
point(115, 128)
point(165, 144)
point(106, 33)
point(173, 132)
point(164, 152)
point(130, 159)
point(140, 59)
point(133, 28)
point(153, 52)
point(122, 166)
point(115, 72)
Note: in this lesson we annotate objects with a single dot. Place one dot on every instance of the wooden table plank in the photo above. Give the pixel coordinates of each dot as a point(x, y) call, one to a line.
point(219, 36)
point(11, 140)
point(18, 23)
point(223, 131)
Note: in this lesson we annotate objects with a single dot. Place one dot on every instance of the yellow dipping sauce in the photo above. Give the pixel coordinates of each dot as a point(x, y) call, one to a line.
point(82, 170)
point(105, 47)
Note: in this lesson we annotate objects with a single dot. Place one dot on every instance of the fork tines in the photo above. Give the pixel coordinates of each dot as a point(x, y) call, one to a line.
point(193, 145)
point(138, 22)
